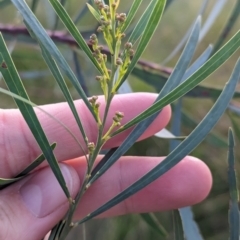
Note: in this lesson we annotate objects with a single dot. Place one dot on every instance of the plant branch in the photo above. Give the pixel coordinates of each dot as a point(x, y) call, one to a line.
point(62, 37)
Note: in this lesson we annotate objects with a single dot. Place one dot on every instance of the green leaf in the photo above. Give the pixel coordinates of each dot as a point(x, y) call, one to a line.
point(235, 125)
point(233, 215)
point(35, 163)
point(153, 222)
point(183, 62)
point(42, 37)
point(94, 12)
point(15, 85)
point(79, 72)
point(177, 226)
point(17, 97)
point(34, 5)
point(229, 25)
point(203, 72)
point(56, 231)
point(211, 19)
point(62, 84)
point(4, 182)
point(157, 81)
point(63, 15)
point(186, 36)
point(102, 162)
point(132, 12)
point(190, 227)
point(183, 149)
point(140, 27)
point(155, 13)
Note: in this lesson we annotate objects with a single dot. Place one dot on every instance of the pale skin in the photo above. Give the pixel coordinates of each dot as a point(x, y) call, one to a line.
point(32, 206)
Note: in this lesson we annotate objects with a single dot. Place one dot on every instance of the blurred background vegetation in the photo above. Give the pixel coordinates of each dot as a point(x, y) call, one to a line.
point(212, 214)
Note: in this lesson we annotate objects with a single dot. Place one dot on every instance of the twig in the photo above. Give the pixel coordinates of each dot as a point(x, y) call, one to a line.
point(61, 36)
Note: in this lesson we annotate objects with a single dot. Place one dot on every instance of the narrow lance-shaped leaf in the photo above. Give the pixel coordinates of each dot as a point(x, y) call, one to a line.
point(198, 63)
point(203, 72)
point(35, 163)
point(177, 226)
point(15, 85)
point(132, 12)
point(157, 81)
point(56, 231)
point(235, 125)
point(190, 227)
point(184, 148)
point(63, 15)
point(102, 162)
point(148, 32)
point(181, 66)
point(141, 24)
point(178, 73)
point(79, 73)
point(233, 215)
point(55, 25)
point(94, 12)
point(176, 123)
point(42, 37)
point(230, 23)
point(34, 5)
point(153, 222)
point(187, 223)
point(57, 75)
point(216, 10)
point(185, 37)
point(28, 102)
point(4, 182)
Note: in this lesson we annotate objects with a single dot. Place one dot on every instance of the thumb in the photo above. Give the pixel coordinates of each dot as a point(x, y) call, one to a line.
point(30, 208)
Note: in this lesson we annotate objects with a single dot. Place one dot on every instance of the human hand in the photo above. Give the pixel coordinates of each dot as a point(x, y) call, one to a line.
point(31, 207)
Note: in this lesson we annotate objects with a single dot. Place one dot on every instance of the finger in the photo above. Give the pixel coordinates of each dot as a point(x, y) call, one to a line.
point(18, 146)
point(188, 183)
point(32, 207)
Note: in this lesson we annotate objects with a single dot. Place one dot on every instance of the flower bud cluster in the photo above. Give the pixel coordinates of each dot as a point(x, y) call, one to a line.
point(101, 59)
point(111, 25)
point(123, 62)
point(118, 118)
point(105, 23)
point(91, 147)
point(116, 123)
point(95, 106)
point(121, 17)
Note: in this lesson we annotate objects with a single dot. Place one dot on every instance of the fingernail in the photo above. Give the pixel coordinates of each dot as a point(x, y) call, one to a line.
point(42, 193)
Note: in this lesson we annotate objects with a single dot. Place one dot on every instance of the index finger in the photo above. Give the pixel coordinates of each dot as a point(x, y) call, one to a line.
point(18, 146)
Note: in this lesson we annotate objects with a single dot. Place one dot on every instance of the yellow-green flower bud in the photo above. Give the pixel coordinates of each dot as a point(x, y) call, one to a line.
point(119, 115)
point(128, 45)
point(93, 100)
point(119, 61)
point(99, 78)
point(91, 147)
